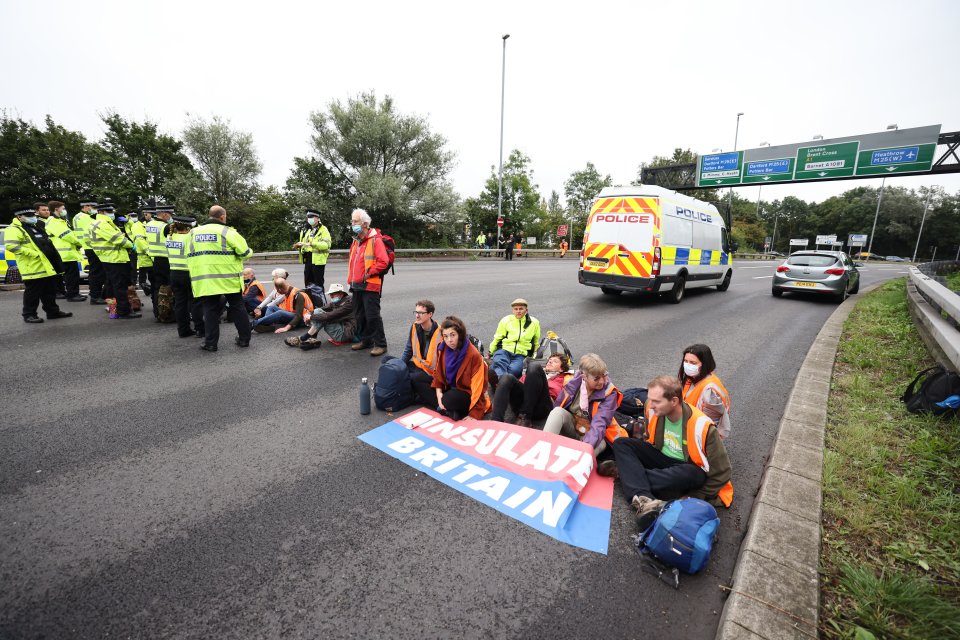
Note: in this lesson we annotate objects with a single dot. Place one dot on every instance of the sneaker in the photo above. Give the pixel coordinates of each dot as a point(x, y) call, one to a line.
point(32, 319)
point(359, 346)
point(523, 421)
point(336, 343)
point(292, 341)
point(608, 469)
point(310, 343)
point(378, 351)
point(262, 328)
point(647, 509)
point(132, 315)
point(96, 301)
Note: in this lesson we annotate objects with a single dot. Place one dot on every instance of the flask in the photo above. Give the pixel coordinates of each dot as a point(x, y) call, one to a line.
point(364, 397)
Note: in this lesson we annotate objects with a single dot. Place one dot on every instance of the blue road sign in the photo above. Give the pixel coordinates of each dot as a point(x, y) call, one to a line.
point(767, 167)
point(720, 162)
point(894, 156)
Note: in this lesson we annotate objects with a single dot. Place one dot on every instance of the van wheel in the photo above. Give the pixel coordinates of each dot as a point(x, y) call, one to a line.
point(611, 292)
point(723, 286)
point(675, 295)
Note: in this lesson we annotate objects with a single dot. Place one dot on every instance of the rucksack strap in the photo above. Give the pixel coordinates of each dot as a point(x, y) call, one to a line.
point(910, 389)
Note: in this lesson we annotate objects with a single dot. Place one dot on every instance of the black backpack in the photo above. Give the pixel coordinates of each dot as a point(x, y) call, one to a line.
point(393, 390)
point(936, 384)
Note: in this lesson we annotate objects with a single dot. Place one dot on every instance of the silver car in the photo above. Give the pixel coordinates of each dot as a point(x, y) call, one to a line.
point(830, 273)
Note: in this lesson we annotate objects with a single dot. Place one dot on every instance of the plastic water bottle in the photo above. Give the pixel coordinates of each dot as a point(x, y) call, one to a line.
point(364, 397)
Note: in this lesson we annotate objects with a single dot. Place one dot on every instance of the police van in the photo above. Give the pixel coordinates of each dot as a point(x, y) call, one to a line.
point(652, 240)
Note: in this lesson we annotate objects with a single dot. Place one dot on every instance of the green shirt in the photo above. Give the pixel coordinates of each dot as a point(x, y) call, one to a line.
point(673, 439)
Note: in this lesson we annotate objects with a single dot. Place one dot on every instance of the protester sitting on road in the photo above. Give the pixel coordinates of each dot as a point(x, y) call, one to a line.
point(585, 406)
point(682, 455)
point(335, 317)
point(531, 397)
point(420, 353)
point(702, 388)
point(516, 338)
point(286, 306)
point(460, 379)
point(253, 291)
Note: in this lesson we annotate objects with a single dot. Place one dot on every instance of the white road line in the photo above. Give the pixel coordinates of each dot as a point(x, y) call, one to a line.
point(761, 277)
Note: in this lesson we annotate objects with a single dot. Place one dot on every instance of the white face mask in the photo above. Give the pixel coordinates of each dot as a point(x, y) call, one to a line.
point(30, 219)
point(312, 221)
point(108, 216)
point(691, 370)
point(63, 213)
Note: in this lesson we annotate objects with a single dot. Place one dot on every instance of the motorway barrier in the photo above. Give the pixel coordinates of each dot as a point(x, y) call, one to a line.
point(936, 312)
point(448, 252)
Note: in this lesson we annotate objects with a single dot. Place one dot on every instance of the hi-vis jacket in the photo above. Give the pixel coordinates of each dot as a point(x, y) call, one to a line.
point(320, 245)
point(108, 241)
point(177, 246)
point(367, 263)
point(411, 353)
point(215, 259)
point(703, 447)
point(710, 396)
point(82, 222)
point(31, 260)
point(64, 239)
point(517, 336)
point(156, 238)
point(138, 233)
point(602, 405)
point(289, 303)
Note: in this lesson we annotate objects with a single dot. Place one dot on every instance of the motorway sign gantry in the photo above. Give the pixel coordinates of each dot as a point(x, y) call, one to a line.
point(826, 161)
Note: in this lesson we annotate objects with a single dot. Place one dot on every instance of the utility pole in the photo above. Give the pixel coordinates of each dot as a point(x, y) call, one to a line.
point(876, 215)
point(922, 220)
point(730, 199)
point(503, 86)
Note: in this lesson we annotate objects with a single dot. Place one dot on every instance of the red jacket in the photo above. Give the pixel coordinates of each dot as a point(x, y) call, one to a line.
point(368, 261)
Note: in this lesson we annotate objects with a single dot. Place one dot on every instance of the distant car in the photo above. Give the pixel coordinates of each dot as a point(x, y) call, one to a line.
point(773, 253)
point(866, 255)
point(895, 259)
point(830, 273)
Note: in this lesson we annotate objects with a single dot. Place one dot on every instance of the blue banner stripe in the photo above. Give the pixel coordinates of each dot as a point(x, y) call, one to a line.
point(586, 527)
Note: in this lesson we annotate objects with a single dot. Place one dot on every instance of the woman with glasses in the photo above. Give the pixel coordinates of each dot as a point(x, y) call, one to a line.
point(460, 379)
point(584, 409)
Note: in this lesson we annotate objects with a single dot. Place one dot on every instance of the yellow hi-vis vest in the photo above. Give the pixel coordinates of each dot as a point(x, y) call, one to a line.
point(320, 245)
point(177, 245)
point(215, 259)
point(156, 241)
point(81, 224)
point(138, 233)
point(108, 242)
point(64, 239)
point(30, 259)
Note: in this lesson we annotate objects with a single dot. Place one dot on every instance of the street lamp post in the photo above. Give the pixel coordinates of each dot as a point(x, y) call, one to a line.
point(926, 205)
point(503, 86)
point(730, 198)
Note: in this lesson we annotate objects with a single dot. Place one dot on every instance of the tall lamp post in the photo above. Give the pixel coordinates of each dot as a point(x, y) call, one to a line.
point(730, 198)
point(503, 86)
point(760, 191)
point(890, 127)
point(926, 205)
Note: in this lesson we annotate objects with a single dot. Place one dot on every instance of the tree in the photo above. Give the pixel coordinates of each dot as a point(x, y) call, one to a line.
point(392, 164)
point(313, 184)
point(226, 158)
point(267, 221)
point(521, 199)
point(137, 162)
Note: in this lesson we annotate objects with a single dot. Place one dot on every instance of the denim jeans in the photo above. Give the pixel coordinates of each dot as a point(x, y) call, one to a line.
point(274, 315)
point(506, 362)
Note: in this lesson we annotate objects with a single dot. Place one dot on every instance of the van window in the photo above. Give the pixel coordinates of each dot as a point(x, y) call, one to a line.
point(724, 240)
point(705, 236)
point(635, 236)
point(677, 232)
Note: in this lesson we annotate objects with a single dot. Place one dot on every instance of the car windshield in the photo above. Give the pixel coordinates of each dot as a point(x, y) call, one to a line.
point(811, 261)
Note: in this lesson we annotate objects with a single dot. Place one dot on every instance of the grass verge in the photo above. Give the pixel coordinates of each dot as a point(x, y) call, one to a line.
point(890, 557)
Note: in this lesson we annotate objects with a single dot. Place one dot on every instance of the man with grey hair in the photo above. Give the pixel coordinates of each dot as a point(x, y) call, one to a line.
point(367, 263)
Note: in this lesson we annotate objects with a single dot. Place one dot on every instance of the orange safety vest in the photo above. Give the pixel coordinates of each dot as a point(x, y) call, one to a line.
point(369, 260)
point(287, 304)
point(692, 392)
point(695, 440)
point(256, 283)
point(428, 364)
point(614, 430)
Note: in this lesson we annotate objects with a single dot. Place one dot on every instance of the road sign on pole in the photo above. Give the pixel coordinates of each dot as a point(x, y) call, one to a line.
point(798, 242)
point(826, 239)
point(857, 240)
point(499, 222)
point(562, 231)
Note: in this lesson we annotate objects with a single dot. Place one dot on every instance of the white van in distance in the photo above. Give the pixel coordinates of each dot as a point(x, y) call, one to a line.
point(650, 239)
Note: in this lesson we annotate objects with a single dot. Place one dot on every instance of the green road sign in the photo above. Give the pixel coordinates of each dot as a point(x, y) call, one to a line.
point(826, 161)
point(762, 171)
point(883, 162)
point(718, 169)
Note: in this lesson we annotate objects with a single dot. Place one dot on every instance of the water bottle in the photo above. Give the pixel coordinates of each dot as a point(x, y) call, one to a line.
point(364, 397)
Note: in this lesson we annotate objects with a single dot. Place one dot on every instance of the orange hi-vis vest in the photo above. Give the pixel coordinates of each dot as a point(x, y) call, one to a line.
point(259, 287)
point(287, 304)
point(695, 442)
point(692, 392)
point(428, 364)
point(614, 430)
point(371, 282)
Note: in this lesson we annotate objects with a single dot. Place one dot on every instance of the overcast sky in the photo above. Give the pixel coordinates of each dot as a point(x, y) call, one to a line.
point(614, 83)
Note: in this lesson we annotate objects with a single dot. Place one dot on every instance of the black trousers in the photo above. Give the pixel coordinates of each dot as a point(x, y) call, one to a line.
point(69, 283)
point(531, 397)
point(236, 311)
point(422, 385)
point(319, 270)
point(185, 306)
point(97, 275)
point(37, 291)
point(366, 309)
point(646, 471)
point(508, 252)
point(308, 277)
point(145, 280)
point(455, 402)
point(161, 276)
point(118, 279)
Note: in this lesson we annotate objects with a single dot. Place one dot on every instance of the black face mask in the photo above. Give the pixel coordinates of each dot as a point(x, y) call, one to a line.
point(247, 280)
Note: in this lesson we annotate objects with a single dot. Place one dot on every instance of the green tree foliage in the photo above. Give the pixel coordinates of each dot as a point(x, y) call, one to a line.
point(521, 198)
point(265, 221)
point(581, 189)
point(226, 158)
point(391, 164)
point(315, 185)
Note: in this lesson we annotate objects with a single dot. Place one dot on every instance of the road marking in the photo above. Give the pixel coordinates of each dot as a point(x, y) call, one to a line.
point(761, 277)
point(766, 266)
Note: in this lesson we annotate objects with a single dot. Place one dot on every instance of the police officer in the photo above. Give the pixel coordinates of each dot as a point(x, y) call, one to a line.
point(68, 246)
point(111, 246)
point(215, 259)
point(138, 233)
point(319, 247)
point(304, 247)
point(184, 304)
point(95, 273)
point(38, 262)
point(156, 230)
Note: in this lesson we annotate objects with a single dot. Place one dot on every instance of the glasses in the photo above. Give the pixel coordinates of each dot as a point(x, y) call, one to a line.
point(420, 313)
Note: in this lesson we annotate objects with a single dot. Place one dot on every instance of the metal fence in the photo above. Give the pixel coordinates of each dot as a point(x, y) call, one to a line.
point(936, 310)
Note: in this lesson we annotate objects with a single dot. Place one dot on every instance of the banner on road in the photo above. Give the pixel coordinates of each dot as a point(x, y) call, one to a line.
point(546, 481)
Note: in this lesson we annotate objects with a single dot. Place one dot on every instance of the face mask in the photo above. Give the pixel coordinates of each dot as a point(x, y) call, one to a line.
point(337, 299)
point(30, 219)
point(247, 280)
point(356, 229)
point(109, 216)
point(63, 213)
point(691, 370)
point(312, 222)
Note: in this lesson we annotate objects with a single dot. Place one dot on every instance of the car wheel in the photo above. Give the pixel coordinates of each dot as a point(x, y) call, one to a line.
point(776, 292)
point(611, 292)
point(840, 297)
point(723, 286)
point(856, 287)
point(675, 295)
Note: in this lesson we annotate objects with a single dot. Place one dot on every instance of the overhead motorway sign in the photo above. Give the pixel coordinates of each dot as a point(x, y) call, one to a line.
point(718, 169)
point(861, 156)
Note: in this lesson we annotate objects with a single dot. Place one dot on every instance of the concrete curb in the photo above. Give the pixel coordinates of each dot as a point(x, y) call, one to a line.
point(776, 589)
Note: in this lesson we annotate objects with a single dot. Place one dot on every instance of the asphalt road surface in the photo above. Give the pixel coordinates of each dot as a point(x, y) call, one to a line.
point(150, 489)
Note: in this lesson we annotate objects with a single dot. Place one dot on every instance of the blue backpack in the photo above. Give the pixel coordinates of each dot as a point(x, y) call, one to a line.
point(393, 390)
point(682, 536)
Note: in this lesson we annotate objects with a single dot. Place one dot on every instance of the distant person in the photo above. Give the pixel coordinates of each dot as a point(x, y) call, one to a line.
point(702, 387)
point(516, 338)
point(683, 455)
point(38, 260)
point(508, 244)
point(531, 396)
point(460, 379)
point(564, 245)
point(112, 247)
point(319, 247)
point(185, 306)
point(367, 263)
point(420, 353)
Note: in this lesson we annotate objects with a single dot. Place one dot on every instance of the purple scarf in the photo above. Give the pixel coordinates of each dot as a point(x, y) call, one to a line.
point(451, 364)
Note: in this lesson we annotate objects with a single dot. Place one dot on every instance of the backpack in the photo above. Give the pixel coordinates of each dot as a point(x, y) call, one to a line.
point(316, 294)
point(477, 342)
point(391, 246)
point(552, 343)
point(393, 390)
point(165, 304)
point(682, 536)
point(633, 401)
point(937, 385)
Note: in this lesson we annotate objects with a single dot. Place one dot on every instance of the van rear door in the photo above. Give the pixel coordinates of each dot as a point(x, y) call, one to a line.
point(620, 236)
